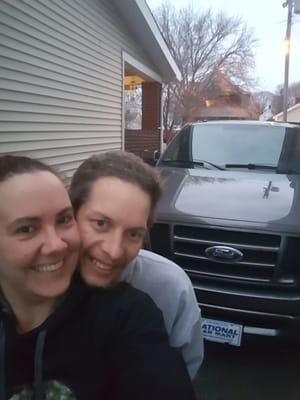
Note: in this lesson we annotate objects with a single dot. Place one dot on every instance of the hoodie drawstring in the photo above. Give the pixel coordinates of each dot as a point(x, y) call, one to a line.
point(38, 390)
point(2, 362)
point(38, 365)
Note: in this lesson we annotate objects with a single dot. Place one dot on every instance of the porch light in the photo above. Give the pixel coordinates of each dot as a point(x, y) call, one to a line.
point(131, 83)
point(132, 90)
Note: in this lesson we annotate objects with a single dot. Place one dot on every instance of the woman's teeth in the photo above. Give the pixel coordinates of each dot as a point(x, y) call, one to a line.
point(48, 267)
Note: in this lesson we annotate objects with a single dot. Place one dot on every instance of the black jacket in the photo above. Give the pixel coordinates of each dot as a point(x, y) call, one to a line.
point(98, 344)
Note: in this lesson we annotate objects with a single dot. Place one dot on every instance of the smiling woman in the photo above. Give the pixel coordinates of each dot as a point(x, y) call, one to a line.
point(39, 241)
point(59, 338)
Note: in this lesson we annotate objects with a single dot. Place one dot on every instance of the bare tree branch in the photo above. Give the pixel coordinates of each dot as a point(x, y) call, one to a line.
point(201, 42)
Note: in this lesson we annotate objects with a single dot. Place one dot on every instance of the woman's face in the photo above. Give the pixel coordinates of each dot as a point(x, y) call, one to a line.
point(39, 240)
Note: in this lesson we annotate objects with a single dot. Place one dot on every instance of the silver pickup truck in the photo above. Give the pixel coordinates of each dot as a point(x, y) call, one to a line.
point(230, 217)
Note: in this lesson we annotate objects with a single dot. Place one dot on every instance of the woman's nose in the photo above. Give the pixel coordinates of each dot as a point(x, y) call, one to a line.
point(53, 243)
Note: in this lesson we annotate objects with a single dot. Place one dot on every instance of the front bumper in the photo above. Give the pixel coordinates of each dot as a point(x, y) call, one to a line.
point(256, 321)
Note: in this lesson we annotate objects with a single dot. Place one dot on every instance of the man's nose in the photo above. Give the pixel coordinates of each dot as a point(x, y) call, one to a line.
point(114, 246)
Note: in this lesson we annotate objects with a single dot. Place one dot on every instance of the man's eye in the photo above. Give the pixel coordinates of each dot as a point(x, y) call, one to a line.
point(101, 222)
point(136, 235)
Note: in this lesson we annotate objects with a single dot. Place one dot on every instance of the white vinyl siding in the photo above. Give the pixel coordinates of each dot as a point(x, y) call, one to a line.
point(61, 78)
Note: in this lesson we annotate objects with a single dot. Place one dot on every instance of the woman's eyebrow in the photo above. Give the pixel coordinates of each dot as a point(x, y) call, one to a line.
point(20, 221)
point(65, 210)
point(30, 219)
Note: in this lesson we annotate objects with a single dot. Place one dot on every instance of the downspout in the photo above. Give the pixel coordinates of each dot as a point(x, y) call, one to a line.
point(162, 129)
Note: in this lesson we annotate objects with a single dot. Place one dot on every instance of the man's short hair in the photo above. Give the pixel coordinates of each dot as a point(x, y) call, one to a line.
point(117, 164)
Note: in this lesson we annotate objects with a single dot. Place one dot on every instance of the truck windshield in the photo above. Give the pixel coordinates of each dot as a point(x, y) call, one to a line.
point(238, 145)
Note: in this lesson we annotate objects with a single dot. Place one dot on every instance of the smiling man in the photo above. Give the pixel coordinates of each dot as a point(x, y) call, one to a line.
point(113, 225)
point(114, 196)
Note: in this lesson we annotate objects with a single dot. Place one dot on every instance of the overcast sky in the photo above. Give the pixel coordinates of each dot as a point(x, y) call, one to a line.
point(269, 19)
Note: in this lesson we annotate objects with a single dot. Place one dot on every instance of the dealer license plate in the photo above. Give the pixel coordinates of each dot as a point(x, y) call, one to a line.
point(222, 331)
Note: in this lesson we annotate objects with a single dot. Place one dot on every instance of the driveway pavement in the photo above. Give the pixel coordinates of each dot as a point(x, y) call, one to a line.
point(253, 372)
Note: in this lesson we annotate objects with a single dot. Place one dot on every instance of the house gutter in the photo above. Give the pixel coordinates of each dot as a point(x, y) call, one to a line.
point(143, 26)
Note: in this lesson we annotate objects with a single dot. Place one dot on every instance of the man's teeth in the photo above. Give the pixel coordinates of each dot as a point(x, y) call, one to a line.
point(98, 264)
point(48, 267)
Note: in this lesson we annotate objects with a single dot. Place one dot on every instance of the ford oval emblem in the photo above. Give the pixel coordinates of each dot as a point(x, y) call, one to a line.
point(224, 254)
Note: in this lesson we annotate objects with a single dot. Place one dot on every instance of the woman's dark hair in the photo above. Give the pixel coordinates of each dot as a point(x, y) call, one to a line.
point(118, 164)
point(11, 165)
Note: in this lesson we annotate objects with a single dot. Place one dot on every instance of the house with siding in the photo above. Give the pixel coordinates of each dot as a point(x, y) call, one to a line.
point(64, 64)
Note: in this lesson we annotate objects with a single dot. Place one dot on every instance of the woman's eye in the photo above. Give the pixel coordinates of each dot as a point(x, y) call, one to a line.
point(27, 229)
point(66, 219)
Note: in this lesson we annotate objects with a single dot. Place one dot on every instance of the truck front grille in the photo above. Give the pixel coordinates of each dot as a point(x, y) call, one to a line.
point(268, 258)
point(260, 252)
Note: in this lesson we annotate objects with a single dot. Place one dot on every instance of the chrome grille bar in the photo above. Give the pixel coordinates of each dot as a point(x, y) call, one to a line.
point(210, 274)
point(217, 243)
point(236, 263)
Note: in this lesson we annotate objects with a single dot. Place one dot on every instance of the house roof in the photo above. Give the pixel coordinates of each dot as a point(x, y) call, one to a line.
point(143, 26)
point(217, 82)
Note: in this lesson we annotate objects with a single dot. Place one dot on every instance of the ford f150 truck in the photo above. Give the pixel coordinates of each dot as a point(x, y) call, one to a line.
point(230, 217)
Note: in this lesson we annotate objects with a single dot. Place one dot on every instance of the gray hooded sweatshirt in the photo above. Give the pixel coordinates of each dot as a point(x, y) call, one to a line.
point(171, 290)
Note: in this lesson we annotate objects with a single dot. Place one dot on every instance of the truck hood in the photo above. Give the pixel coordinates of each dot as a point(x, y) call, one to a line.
point(256, 198)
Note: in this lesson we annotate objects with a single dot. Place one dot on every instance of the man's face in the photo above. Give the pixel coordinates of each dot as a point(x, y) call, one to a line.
point(112, 225)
